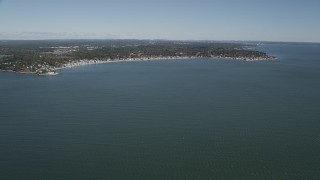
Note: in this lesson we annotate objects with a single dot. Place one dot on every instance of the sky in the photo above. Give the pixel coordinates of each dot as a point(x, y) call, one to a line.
point(253, 20)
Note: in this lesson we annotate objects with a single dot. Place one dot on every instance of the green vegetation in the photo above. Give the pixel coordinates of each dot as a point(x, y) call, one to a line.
point(45, 56)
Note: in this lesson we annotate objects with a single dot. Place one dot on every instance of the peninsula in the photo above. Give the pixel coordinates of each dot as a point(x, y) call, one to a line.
point(44, 57)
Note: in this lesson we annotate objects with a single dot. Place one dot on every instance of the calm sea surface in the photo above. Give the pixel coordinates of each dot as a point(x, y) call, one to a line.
point(177, 119)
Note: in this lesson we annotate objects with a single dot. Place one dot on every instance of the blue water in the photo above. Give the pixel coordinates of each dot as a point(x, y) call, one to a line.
point(166, 119)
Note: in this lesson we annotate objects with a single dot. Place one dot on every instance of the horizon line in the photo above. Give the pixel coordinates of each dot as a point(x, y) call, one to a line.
point(137, 39)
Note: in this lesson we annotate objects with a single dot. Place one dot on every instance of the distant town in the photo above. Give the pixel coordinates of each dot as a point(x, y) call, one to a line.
point(45, 57)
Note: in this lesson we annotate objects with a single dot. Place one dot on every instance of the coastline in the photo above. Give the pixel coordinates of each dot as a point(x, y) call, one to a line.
point(86, 62)
point(45, 58)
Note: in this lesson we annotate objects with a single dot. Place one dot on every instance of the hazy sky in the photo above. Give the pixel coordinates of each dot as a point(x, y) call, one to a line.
point(272, 20)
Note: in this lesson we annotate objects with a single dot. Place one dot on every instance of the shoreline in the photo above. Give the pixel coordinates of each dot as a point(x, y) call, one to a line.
point(86, 62)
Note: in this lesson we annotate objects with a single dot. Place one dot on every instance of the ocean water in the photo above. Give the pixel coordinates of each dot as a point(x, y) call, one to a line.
point(166, 119)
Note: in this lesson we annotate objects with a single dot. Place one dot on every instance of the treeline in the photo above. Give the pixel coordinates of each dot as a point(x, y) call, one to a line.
point(32, 55)
point(143, 51)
